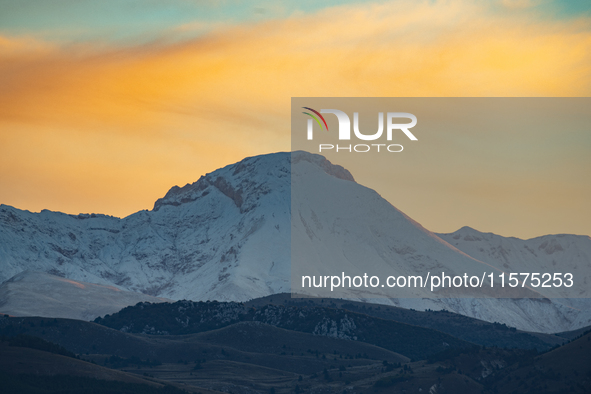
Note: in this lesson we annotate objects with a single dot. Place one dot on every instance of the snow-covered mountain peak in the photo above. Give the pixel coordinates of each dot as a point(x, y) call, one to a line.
point(246, 180)
point(468, 233)
point(235, 181)
point(331, 169)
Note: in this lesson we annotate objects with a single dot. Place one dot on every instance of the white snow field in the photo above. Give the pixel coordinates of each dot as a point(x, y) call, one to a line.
point(33, 293)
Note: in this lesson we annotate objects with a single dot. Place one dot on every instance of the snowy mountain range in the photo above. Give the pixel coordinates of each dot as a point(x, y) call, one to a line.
point(549, 253)
point(228, 237)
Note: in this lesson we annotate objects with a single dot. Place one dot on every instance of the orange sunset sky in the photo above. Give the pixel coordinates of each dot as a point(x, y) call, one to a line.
point(106, 105)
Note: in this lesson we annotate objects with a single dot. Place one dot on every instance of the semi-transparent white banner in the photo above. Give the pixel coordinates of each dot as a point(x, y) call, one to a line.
point(352, 158)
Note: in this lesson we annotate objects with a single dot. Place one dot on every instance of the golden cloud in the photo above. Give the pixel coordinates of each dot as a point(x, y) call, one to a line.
point(188, 107)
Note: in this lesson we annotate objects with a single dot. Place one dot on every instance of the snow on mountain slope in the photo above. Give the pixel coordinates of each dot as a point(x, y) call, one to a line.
point(207, 240)
point(228, 237)
point(39, 294)
point(340, 226)
point(549, 253)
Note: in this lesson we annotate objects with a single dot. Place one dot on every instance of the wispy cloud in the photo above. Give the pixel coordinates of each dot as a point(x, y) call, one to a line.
point(520, 4)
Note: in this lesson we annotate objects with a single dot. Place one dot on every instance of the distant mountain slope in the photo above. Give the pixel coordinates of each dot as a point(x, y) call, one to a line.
point(39, 294)
point(541, 254)
point(549, 253)
point(252, 356)
point(463, 327)
point(185, 317)
point(26, 370)
point(257, 337)
point(269, 346)
point(563, 370)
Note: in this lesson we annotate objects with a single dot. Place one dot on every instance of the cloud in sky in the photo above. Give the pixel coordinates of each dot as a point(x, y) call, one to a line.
point(521, 3)
point(97, 125)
